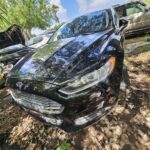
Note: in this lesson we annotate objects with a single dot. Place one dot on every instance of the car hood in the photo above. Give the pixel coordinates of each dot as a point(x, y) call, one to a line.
point(52, 62)
point(12, 49)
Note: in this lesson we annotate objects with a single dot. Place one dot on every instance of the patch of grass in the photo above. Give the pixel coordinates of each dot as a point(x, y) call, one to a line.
point(143, 48)
point(137, 39)
point(64, 146)
point(139, 50)
point(143, 58)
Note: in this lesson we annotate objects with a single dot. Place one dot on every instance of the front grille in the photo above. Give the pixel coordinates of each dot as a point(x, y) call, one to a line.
point(37, 103)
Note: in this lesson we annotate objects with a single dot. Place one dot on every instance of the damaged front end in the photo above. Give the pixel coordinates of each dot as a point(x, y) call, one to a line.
point(68, 103)
point(75, 79)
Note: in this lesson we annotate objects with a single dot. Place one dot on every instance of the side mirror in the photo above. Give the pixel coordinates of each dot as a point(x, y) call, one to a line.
point(123, 23)
point(147, 8)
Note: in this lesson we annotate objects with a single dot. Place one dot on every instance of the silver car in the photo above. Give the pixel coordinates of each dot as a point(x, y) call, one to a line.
point(40, 40)
point(138, 15)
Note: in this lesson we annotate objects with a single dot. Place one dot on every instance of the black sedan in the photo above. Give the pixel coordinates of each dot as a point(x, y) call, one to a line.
point(75, 79)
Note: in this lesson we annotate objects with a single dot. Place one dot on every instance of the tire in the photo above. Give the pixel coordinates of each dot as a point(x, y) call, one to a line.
point(125, 76)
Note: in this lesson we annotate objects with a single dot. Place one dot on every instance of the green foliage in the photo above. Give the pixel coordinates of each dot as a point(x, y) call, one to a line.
point(58, 26)
point(145, 1)
point(63, 146)
point(27, 13)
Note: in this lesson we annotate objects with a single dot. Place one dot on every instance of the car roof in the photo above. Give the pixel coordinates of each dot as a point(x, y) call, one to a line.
point(128, 3)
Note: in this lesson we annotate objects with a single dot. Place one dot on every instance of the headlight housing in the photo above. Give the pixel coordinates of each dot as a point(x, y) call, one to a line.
point(90, 79)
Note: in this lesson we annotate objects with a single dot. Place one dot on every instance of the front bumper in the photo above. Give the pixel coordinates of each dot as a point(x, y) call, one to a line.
point(70, 116)
point(66, 124)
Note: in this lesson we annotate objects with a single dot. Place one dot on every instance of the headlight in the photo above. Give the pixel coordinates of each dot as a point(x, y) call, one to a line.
point(90, 79)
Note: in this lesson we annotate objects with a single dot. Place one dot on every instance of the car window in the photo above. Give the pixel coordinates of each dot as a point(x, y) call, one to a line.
point(121, 11)
point(134, 8)
point(116, 19)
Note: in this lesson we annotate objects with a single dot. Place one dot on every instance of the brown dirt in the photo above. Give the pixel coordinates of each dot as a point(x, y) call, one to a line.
point(127, 127)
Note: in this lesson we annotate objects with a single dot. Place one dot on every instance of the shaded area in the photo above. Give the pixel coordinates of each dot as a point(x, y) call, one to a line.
point(127, 127)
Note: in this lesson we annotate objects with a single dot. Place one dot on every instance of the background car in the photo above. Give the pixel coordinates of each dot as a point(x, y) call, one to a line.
point(12, 54)
point(12, 36)
point(75, 79)
point(40, 40)
point(12, 45)
point(138, 15)
point(11, 50)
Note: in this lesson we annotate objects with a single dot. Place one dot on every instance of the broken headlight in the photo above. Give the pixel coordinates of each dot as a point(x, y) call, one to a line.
point(90, 79)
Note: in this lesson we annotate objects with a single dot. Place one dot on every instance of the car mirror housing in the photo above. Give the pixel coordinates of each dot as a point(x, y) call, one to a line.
point(147, 8)
point(123, 23)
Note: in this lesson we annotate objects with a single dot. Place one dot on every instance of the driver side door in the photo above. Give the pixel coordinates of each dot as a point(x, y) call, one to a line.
point(135, 14)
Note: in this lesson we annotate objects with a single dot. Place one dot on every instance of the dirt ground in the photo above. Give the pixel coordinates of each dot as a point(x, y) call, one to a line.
point(127, 127)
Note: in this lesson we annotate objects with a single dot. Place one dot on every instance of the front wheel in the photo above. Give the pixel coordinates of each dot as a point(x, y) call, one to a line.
point(125, 76)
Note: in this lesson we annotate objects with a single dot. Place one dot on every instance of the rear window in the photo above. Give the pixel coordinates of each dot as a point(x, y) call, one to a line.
point(134, 8)
point(130, 9)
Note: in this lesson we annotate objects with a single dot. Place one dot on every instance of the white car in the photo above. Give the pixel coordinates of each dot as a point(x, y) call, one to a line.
point(138, 15)
point(39, 41)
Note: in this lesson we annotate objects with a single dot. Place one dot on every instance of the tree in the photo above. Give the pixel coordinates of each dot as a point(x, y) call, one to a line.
point(58, 26)
point(27, 13)
point(145, 1)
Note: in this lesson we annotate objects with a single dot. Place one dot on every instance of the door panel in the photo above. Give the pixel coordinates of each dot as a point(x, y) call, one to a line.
point(135, 14)
point(135, 21)
point(145, 20)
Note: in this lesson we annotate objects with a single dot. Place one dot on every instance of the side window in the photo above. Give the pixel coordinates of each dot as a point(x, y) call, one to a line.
point(121, 11)
point(134, 8)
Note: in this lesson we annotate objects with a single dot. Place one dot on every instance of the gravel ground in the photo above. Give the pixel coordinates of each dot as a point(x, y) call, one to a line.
point(127, 127)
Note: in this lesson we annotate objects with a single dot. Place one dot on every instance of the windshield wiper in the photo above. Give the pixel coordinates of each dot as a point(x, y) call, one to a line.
point(87, 33)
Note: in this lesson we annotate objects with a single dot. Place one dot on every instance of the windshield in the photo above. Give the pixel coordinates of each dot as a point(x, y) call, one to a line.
point(90, 23)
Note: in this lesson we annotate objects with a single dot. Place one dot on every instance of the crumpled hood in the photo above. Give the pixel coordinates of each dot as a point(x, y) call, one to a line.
point(50, 61)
